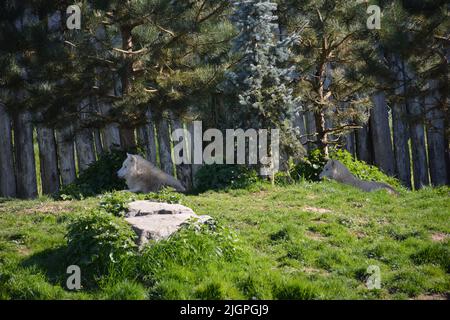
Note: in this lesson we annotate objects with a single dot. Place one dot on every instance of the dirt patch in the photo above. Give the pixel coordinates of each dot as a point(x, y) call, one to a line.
point(316, 210)
point(435, 296)
point(320, 220)
point(309, 270)
point(24, 251)
point(314, 236)
point(50, 208)
point(439, 237)
point(359, 234)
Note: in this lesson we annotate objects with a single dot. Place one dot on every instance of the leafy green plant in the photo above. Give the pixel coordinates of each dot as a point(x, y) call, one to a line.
point(222, 176)
point(167, 194)
point(100, 177)
point(116, 203)
point(310, 167)
point(97, 239)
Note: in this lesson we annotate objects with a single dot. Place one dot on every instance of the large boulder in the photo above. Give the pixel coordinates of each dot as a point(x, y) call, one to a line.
point(157, 221)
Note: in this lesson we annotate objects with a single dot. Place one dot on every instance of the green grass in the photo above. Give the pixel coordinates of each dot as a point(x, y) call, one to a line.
point(303, 241)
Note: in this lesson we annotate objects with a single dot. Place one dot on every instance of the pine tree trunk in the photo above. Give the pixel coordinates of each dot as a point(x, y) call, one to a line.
point(165, 157)
point(25, 160)
point(322, 136)
point(7, 172)
point(363, 147)
point(146, 138)
point(381, 134)
point(48, 159)
point(436, 137)
point(66, 155)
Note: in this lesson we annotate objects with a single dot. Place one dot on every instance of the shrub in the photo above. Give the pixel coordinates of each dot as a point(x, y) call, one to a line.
point(192, 247)
point(96, 240)
point(168, 195)
point(116, 203)
point(100, 177)
point(310, 168)
point(361, 169)
point(223, 176)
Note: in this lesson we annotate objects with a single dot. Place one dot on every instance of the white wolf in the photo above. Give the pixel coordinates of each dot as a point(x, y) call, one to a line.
point(142, 176)
point(337, 171)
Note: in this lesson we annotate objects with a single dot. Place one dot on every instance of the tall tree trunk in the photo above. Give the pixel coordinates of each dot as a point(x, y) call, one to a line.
point(436, 136)
point(363, 146)
point(381, 134)
point(7, 172)
point(48, 159)
point(25, 160)
point(66, 155)
point(322, 136)
point(165, 157)
point(400, 127)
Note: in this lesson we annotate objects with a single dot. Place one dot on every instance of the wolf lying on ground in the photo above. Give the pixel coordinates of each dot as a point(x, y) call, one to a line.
point(337, 171)
point(142, 176)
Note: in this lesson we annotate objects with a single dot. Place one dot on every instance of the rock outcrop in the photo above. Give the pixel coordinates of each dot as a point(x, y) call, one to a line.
point(158, 221)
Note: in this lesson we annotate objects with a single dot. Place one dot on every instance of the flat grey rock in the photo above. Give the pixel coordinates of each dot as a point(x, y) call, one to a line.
point(157, 221)
point(145, 207)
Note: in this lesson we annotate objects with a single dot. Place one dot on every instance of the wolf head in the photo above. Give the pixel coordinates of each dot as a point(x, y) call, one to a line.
point(334, 170)
point(128, 166)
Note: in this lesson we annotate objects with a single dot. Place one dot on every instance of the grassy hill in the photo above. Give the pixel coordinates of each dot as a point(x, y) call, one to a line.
point(303, 241)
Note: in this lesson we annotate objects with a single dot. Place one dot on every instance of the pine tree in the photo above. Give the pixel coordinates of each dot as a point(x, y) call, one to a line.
point(260, 84)
point(334, 94)
point(262, 78)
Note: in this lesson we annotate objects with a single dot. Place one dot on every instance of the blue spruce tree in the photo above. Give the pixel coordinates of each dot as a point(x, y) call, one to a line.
point(261, 80)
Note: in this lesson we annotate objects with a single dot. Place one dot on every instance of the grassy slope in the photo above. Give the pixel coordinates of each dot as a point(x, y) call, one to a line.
point(300, 241)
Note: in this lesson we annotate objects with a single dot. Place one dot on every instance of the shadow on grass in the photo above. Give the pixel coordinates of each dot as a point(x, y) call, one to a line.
point(51, 262)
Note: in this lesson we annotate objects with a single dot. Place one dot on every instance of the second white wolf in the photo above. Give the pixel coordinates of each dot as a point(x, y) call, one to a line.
point(337, 171)
point(142, 176)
